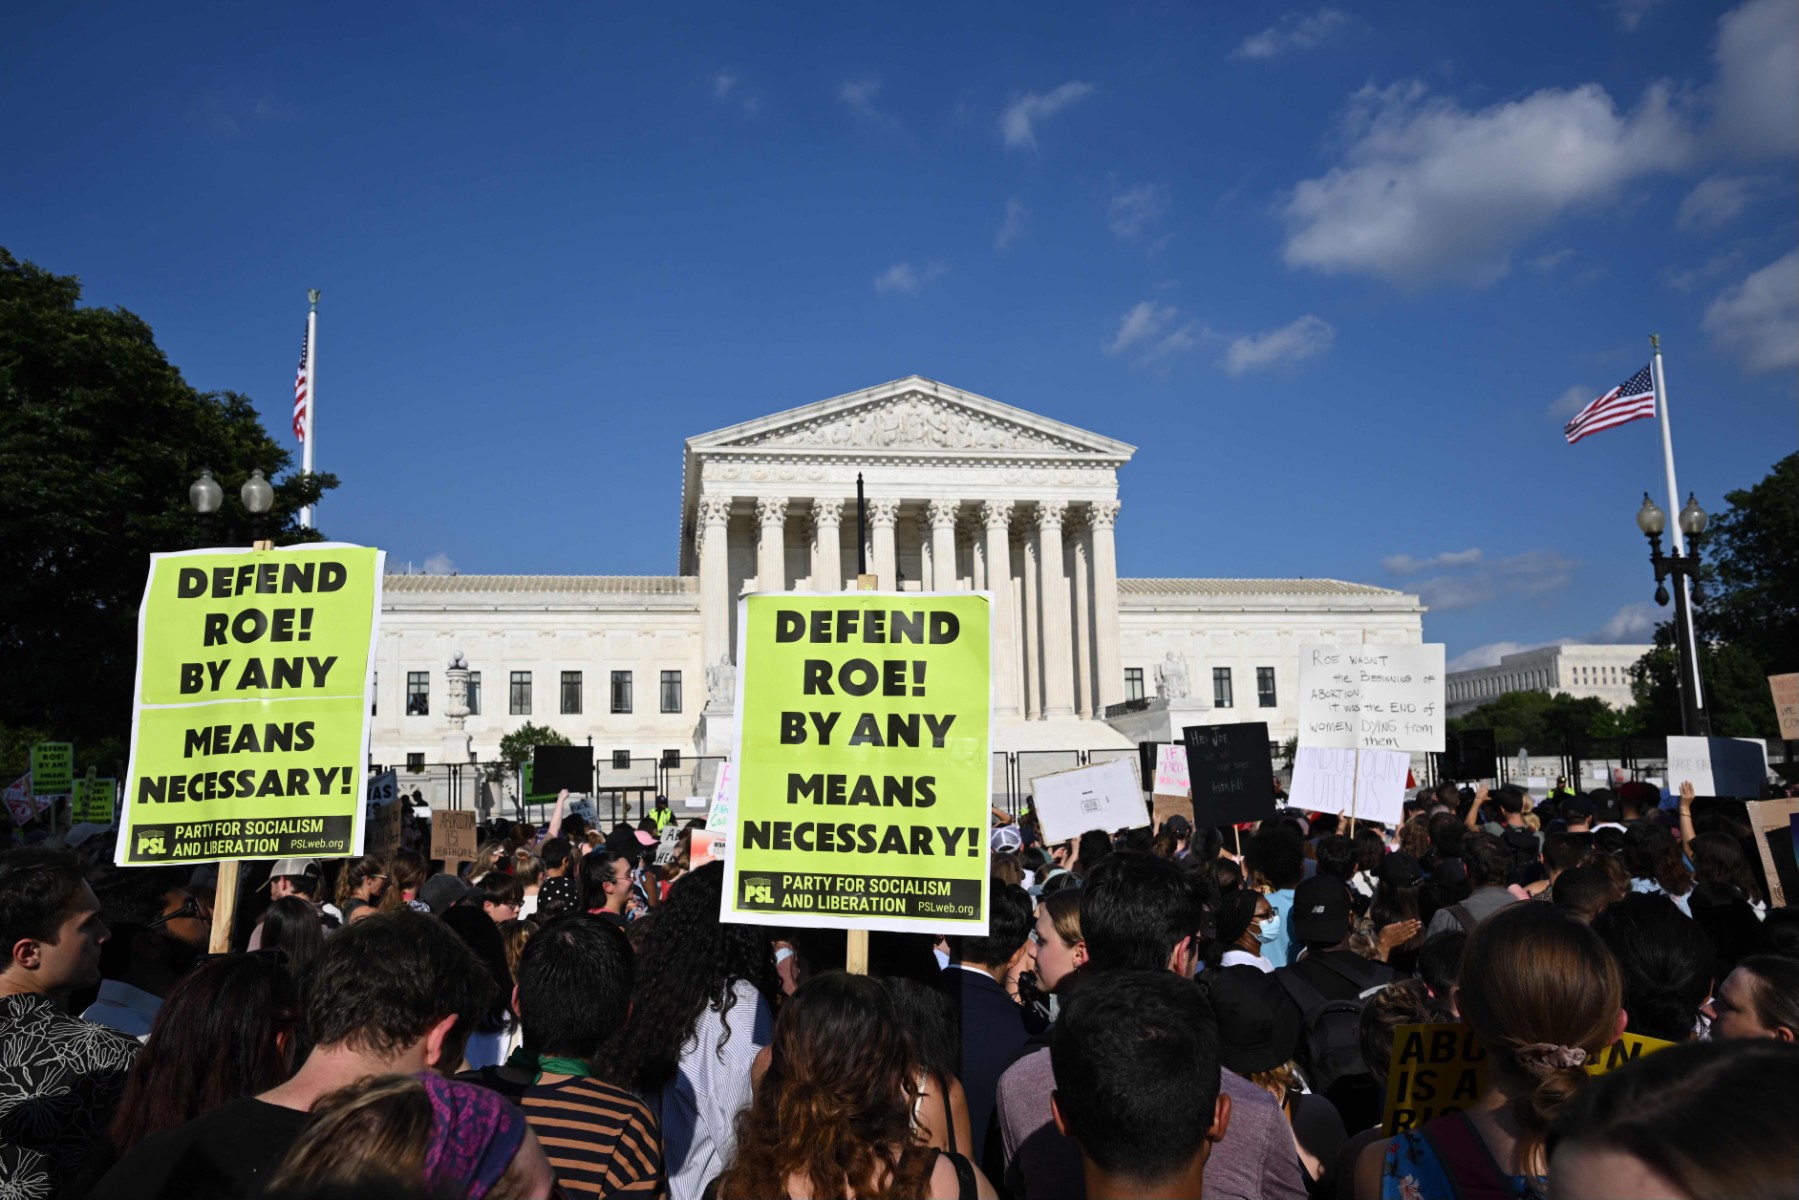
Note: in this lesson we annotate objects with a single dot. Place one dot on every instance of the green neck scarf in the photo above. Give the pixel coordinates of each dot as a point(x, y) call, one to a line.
point(540, 1065)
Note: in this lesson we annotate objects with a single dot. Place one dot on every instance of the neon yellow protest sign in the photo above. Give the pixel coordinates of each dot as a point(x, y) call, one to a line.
point(250, 727)
point(862, 762)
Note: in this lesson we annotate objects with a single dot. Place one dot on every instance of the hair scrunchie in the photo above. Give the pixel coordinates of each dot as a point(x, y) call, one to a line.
point(1540, 1058)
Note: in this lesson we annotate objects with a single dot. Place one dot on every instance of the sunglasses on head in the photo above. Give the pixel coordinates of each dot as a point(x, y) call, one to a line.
point(193, 908)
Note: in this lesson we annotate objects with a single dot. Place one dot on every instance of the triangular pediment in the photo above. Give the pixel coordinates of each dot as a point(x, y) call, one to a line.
point(912, 414)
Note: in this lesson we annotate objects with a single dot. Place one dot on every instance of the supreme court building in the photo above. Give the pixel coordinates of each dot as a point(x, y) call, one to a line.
point(962, 492)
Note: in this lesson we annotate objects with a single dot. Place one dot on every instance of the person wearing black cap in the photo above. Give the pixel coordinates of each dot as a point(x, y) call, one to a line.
point(1258, 1034)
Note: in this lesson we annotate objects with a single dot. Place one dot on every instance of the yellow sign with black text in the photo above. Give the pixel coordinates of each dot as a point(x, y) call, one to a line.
point(250, 732)
point(862, 761)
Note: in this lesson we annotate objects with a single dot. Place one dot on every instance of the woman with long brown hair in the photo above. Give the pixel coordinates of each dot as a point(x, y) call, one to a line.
point(833, 1117)
point(1545, 997)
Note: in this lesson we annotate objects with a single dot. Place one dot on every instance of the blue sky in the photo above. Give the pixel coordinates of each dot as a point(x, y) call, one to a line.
point(1340, 271)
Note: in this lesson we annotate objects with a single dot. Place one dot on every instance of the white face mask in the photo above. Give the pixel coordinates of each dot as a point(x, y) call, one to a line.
point(1271, 930)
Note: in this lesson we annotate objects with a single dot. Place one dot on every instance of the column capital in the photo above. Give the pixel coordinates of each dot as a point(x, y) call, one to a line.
point(772, 510)
point(1050, 513)
point(943, 512)
point(996, 514)
point(1075, 524)
point(883, 514)
point(827, 510)
point(1103, 513)
point(715, 510)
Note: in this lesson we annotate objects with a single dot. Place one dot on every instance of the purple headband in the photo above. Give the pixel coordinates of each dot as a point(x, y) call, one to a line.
point(474, 1135)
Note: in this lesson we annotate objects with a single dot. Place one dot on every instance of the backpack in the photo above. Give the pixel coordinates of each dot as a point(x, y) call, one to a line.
point(1330, 1047)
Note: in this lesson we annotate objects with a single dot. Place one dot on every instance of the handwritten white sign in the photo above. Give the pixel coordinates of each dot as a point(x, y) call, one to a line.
point(1171, 771)
point(724, 799)
point(1371, 697)
point(1330, 781)
point(1719, 766)
point(1106, 796)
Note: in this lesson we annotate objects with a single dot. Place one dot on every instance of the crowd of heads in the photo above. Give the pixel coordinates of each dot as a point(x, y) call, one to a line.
point(1127, 989)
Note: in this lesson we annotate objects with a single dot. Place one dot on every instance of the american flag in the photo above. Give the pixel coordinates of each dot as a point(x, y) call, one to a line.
point(302, 392)
point(1632, 400)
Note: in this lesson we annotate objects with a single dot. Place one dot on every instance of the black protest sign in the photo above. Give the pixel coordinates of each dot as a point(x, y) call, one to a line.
point(558, 768)
point(1231, 771)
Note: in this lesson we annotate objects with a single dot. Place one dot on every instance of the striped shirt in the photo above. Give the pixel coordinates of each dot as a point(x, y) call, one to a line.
point(600, 1139)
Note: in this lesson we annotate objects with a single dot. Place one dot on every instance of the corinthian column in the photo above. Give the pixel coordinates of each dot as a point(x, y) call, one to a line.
point(1032, 659)
point(827, 544)
point(1103, 516)
point(771, 551)
point(943, 543)
point(1080, 546)
point(715, 579)
point(997, 517)
point(1058, 660)
point(883, 515)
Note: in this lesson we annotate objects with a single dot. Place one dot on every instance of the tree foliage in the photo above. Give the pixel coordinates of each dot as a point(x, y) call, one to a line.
point(516, 746)
point(1749, 625)
point(1532, 719)
point(100, 438)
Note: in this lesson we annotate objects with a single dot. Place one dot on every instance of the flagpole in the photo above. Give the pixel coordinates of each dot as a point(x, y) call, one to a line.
point(312, 393)
point(1684, 608)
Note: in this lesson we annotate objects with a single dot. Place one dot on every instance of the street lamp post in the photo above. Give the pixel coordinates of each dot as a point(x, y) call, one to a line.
point(1695, 720)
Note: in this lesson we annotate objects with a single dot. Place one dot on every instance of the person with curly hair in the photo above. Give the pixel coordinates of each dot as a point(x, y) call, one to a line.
point(834, 1113)
point(700, 1010)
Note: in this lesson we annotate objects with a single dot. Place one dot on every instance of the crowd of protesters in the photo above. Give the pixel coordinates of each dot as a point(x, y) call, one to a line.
point(1168, 1011)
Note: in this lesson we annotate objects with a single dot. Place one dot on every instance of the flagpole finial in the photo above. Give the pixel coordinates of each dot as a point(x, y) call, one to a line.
point(1655, 342)
point(312, 296)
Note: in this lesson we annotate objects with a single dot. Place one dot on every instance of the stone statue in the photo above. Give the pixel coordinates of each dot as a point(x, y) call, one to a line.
point(1171, 677)
point(721, 684)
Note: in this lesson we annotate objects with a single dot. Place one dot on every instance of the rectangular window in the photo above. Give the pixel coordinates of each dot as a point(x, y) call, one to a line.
point(375, 694)
point(621, 691)
point(672, 759)
point(671, 691)
point(415, 761)
point(1133, 683)
point(571, 692)
point(474, 693)
point(621, 760)
point(1221, 687)
point(418, 693)
point(521, 694)
point(1264, 687)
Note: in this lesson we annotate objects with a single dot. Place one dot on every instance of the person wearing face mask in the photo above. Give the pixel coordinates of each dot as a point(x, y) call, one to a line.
point(1245, 922)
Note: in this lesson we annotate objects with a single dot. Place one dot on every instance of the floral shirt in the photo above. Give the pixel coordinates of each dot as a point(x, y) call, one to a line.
point(1412, 1171)
point(60, 1078)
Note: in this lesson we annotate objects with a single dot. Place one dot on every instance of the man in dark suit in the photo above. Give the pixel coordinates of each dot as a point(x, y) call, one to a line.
point(993, 1024)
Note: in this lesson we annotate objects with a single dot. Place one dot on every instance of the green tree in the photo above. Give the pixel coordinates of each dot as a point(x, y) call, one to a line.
point(1533, 719)
point(1749, 625)
point(516, 746)
point(100, 438)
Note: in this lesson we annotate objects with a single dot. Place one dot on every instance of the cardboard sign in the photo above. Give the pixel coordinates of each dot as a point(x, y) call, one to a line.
point(1107, 796)
point(383, 818)
point(1442, 1068)
point(1231, 770)
point(1719, 766)
point(555, 768)
point(1772, 820)
point(1372, 697)
point(862, 762)
point(1786, 704)
point(453, 835)
point(1334, 781)
point(1171, 806)
point(1171, 771)
point(93, 800)
point(250, 727)
point(52, 769)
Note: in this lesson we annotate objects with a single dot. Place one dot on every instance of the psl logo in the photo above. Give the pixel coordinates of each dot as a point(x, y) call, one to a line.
point(758, 891)
point(151, 843)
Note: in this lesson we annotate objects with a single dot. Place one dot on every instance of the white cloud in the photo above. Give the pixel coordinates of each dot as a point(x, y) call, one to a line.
point(728, 88)
point(1153, 330)
point(1632, 623)
point(723, 83)
point(440, 564)
point(1705, 272)
point(1572, 401)
point(1758, 76)
point(1631, 12)
point(1758, 319)
point(1295, 32)
point(1018, 122)
point(1549, 261)
point(1305, 338)
point(1428, 190)
point(859, 94)
point(1405, 564)
point(1715, 201)
point(1130, 211)
point(1012, 228)
point(904, 277)
point(1489, 654)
